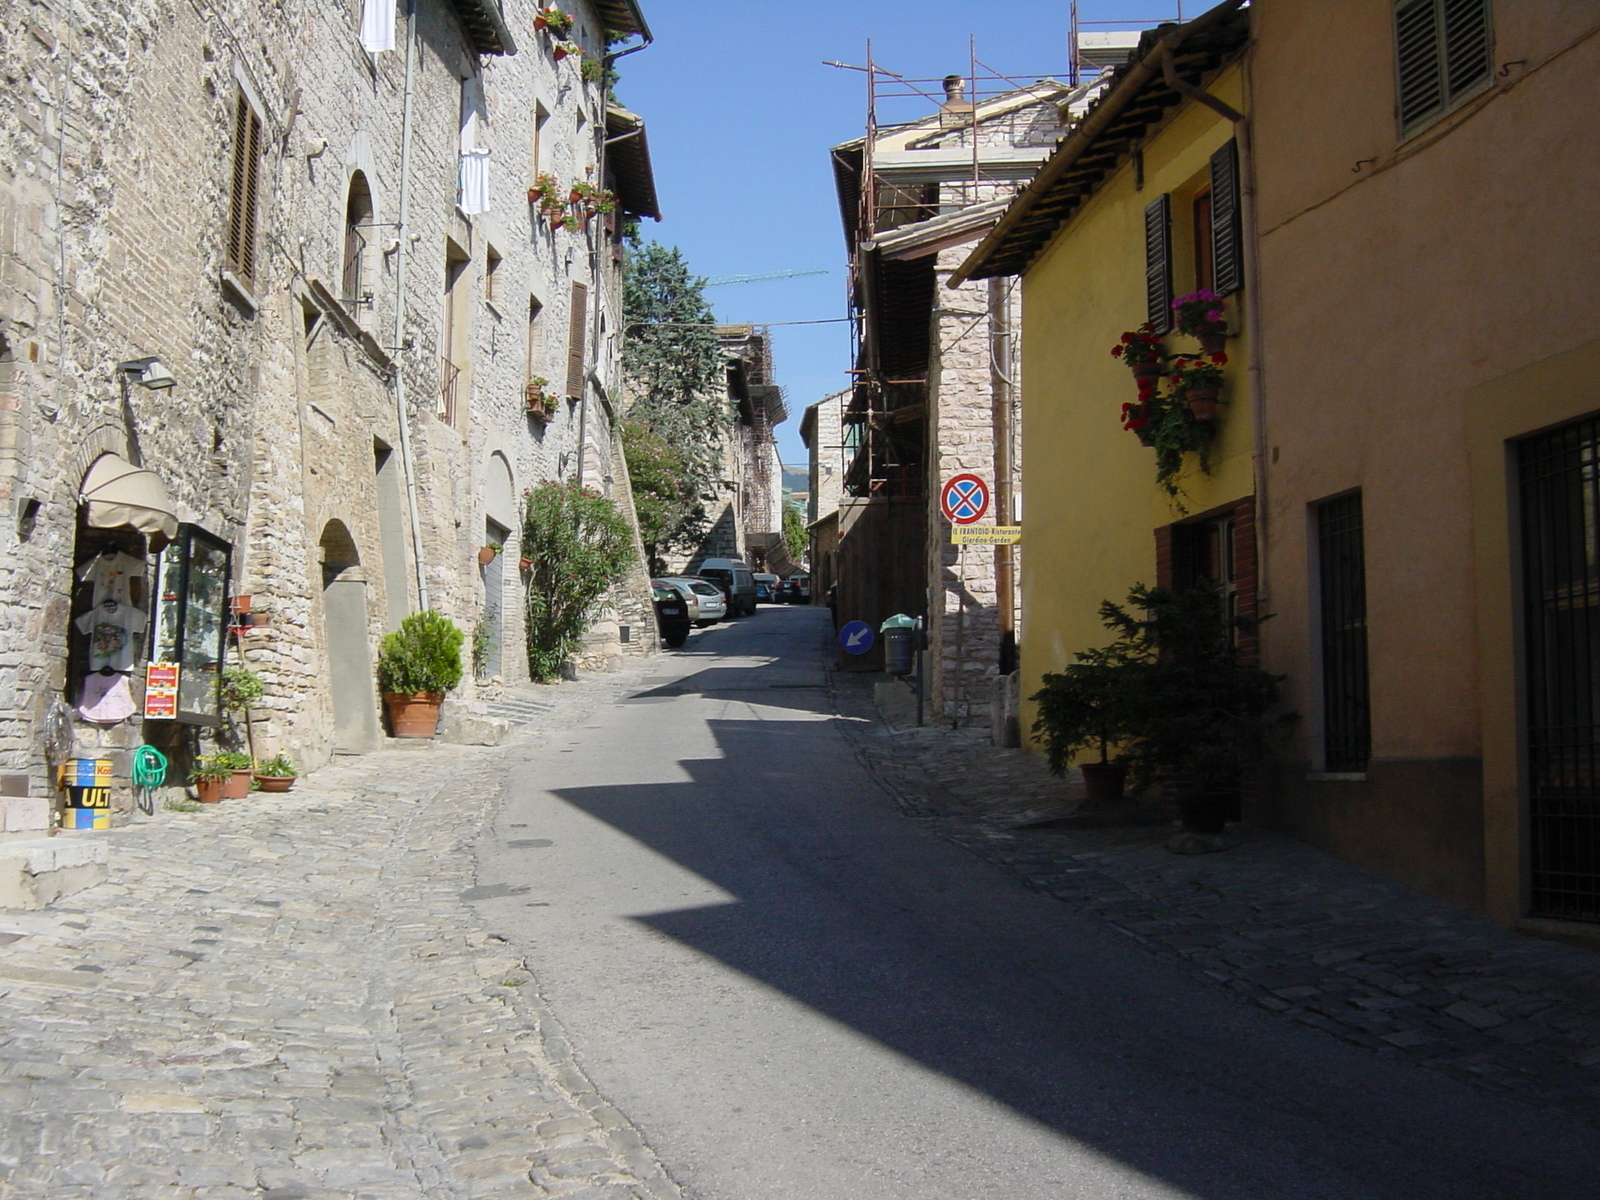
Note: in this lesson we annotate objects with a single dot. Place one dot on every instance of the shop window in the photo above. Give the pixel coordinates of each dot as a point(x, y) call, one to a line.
point(191, 622)
point(109, 623)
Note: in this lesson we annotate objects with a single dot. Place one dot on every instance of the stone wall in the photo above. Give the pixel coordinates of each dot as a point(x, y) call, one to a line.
point(295, 405)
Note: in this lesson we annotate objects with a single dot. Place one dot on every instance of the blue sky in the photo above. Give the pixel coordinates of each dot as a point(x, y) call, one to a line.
point(742, 113)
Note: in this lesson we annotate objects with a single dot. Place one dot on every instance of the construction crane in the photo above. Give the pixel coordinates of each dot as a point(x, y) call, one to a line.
point(719, 280)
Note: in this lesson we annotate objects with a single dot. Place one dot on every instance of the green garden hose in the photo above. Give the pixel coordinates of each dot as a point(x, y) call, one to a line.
point(149, 773)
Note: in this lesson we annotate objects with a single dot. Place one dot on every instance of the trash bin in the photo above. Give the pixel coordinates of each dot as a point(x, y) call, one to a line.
point(899, 644)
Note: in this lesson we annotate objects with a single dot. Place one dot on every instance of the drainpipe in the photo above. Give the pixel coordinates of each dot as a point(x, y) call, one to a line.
point(1004, 502)
point(1252, 285)
point(399, 383)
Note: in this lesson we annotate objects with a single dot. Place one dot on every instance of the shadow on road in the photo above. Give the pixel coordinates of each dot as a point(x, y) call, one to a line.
point(869, 919)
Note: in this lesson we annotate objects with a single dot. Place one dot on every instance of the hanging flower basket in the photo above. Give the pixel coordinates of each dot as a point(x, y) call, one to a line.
point(562, 49)
point(487, 554)
point(1202, 315)
point(1203, 402)
point(1214, 342)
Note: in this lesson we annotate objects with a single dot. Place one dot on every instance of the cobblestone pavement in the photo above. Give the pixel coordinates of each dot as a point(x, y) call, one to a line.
point(1274, 920)
point(287, 997)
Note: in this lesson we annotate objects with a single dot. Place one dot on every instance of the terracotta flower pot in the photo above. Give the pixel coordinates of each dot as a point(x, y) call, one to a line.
point(1203, 402)
point(1214, 342)
point(275, 783)
point(1205, 811)
point(240, 604)
point(414, 715)
point(237, 785)
point(260, 620)
point(1103, 782)
point(1147, 373)
point(209, 790)
point(558, 53)
point(541, 21)
point(524, 564)
point(486, 555)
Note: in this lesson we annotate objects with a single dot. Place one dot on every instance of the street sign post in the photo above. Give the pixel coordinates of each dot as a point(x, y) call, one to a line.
point(964, 499)
point(856, 637)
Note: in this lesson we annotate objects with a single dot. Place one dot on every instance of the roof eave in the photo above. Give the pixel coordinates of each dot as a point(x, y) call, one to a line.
point(977, 264)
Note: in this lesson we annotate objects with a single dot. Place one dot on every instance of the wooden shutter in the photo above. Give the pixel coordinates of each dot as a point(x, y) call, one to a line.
point(577, 334)
point(246, 191)
point(1227, 248)
point(1158, 262)
point(1416, 32)
point(1468, 46)
point(1443, 50)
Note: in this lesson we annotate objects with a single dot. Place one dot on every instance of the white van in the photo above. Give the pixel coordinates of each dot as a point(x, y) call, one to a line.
point(735, 579)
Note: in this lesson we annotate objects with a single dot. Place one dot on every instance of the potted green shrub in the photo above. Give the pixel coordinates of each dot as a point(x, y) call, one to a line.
point(1089, 705)
point(276, 774)
point(1199, 716)
point(208, 777)
point(239, 767)
point(1172, 692)
point(417, 664)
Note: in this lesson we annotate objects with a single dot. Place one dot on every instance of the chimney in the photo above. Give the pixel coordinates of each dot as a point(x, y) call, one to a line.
point(956, 111)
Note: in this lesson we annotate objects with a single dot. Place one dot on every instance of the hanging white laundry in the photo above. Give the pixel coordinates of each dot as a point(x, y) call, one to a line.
point(475, 182)
point(474, 146)
point(377, 26)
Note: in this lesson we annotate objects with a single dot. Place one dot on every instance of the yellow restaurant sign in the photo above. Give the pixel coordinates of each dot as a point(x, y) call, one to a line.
point(985, 535)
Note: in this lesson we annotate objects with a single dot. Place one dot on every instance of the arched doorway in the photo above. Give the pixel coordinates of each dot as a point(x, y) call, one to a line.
point(344, 626)
point(499, 502)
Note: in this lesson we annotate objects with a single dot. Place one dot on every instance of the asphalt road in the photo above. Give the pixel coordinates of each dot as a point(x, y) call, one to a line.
point(794, 992)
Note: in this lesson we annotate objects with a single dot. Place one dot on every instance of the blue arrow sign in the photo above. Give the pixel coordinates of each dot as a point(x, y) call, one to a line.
point(856, 637)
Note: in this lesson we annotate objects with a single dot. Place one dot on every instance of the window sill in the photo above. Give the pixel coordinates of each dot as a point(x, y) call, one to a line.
point(1336, 776)
point(232, 284)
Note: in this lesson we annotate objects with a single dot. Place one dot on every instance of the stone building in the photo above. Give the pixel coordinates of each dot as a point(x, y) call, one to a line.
point(936, 387)
point(746, 509)
point(281, 319)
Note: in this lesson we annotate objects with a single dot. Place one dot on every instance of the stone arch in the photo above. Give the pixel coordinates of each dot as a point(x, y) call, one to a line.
point(348, 654)
point(500, 492)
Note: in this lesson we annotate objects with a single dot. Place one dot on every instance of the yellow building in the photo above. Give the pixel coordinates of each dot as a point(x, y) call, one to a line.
point(1138, 206)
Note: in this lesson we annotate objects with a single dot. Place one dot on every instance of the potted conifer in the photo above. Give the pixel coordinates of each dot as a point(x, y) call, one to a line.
point(417, 664)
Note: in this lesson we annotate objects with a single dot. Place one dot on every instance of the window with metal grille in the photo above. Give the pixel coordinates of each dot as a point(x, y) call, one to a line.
point(1444, 51)
point(246, 188)
point(357, 217)
point(1560, 490)
point(1346, 713)
point(1158, 263)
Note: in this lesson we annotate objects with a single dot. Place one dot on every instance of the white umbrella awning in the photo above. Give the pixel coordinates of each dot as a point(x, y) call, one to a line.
point(119, 493)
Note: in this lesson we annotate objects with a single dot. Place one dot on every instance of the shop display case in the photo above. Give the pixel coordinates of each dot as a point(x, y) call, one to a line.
point(191, 621)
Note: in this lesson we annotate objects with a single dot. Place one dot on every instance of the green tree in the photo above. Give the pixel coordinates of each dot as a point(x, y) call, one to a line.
point(675, 380)
point(795, 537)
point(664, 498)
point(580, 544)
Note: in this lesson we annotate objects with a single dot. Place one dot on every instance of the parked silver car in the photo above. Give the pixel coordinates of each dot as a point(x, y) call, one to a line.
point(707, 605)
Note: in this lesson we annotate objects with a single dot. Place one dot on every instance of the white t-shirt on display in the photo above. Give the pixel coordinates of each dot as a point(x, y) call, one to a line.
point(112, 576)
point(111, 627)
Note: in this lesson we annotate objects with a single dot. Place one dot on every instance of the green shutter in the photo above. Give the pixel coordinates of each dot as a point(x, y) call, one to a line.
point(1227, 243)
point(1158, 262)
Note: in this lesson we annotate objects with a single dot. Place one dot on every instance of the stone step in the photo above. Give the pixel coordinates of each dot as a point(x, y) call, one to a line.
point(38, 871)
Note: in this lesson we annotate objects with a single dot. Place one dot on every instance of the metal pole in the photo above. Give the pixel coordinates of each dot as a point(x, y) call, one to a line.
point(922, 675)
point(1000, 399)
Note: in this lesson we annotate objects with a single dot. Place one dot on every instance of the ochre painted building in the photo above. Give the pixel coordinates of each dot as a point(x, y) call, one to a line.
point(1118, 223)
